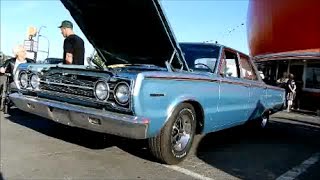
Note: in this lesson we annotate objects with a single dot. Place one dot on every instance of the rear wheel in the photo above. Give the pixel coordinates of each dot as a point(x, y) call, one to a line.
point(262, 122)
point(174, 142)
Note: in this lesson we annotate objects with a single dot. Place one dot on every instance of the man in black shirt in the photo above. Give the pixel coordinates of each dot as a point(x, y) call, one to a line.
point(73, 45)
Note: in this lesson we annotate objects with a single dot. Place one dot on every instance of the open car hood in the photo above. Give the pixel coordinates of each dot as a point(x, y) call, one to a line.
point(127, 31)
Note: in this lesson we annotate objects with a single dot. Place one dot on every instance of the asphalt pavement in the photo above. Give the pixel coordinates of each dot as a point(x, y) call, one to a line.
point(36, 148)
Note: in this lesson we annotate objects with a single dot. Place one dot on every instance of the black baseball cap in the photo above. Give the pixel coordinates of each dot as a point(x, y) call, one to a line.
point(66, 24)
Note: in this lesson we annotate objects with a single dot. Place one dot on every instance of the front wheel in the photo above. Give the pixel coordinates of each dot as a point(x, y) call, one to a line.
point(174, 142)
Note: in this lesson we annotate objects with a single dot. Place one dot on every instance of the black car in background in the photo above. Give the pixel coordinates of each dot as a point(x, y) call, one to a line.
point(53, 61)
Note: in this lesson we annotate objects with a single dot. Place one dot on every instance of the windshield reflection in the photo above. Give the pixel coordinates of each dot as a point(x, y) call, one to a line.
point(200, 57)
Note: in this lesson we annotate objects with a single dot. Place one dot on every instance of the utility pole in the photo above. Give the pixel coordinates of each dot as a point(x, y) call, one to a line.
point(36, 52)
point(48, 49)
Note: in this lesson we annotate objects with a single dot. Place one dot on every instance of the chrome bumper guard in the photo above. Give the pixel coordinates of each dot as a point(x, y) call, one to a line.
point(83, 117)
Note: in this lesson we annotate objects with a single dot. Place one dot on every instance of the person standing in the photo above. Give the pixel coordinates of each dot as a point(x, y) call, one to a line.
point(291, 91)
point(282, 82)
point(11, 65)
point(73, 45)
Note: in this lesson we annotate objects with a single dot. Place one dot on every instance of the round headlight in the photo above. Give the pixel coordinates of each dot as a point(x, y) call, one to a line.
point(122, 93)
point(23, 80)
point(101, 90)
point(35, 81)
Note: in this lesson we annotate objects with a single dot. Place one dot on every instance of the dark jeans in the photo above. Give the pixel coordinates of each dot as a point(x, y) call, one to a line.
point(12, 87)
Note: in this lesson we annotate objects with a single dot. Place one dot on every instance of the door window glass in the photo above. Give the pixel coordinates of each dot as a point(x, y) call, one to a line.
point(229, 65)
point(247, 71)
point(313, 76)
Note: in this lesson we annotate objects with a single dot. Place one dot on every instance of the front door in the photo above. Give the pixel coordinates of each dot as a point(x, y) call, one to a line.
point(234, 94)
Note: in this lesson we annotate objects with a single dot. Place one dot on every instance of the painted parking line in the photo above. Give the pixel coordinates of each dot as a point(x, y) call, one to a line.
point(187, 172)
point(296, 171)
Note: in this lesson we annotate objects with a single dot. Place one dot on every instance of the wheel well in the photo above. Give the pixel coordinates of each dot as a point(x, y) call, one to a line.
point(200, 116)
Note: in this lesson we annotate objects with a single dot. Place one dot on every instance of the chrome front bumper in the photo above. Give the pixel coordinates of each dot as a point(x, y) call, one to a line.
point(83, 117)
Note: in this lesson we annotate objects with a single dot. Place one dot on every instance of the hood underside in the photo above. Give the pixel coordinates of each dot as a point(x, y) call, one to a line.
point(127, 31)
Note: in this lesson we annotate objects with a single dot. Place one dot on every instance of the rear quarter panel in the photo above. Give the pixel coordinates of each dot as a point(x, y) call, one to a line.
point(275, 98)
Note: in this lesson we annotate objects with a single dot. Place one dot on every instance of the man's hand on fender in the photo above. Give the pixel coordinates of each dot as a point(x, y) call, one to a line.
point(2, 70)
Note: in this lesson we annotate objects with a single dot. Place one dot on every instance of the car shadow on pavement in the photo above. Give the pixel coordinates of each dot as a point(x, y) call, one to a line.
point(299, 121)
point(81, 137)
point(248, 153)
point(66, 133)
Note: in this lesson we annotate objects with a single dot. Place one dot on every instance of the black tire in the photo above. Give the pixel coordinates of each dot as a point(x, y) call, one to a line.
point(161, 146)
point(261, 122)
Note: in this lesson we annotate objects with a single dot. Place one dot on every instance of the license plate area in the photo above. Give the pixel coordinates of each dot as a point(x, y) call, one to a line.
point(61, 116)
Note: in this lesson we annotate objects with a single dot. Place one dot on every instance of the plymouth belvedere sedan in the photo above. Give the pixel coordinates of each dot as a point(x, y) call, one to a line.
point(152, 87)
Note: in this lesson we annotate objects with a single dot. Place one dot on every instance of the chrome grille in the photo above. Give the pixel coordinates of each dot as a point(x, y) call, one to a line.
point(70, 79)
point(68, 90)
point(69, 84)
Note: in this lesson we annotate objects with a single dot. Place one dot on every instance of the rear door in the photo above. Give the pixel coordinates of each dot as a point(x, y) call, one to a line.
point(257, 91)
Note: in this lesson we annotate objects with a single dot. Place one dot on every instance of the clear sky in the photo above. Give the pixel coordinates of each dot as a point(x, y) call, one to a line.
point(191, 21)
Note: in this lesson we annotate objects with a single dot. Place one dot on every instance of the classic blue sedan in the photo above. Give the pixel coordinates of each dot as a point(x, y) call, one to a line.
point(153, 87)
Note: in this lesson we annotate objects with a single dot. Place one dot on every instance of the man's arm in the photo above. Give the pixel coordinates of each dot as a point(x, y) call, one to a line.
point(4, 67)
point(69, 58)
point(2, 70)
point(68, 47)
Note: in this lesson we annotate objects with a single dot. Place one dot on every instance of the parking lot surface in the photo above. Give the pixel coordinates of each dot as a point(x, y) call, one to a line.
point(36, 148)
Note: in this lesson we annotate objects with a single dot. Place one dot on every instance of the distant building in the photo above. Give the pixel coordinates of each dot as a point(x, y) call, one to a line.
point(283, 36)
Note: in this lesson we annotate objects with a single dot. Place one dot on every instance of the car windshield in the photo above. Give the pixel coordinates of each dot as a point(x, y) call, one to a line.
point(200, 57)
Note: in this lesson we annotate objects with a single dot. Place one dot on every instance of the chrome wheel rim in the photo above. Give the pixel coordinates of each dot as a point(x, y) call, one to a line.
point(264, 122)
point(182, 130)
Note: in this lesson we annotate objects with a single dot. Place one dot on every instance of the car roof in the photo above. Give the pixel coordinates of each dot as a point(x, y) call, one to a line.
point(214, 44)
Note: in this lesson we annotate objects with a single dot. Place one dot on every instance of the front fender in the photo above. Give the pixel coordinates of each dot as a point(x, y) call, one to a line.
point(156, 98)
point(160, 112)
point(172, 106)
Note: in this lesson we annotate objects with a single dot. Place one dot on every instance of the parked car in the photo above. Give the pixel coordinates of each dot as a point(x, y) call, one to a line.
point(153, 87)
